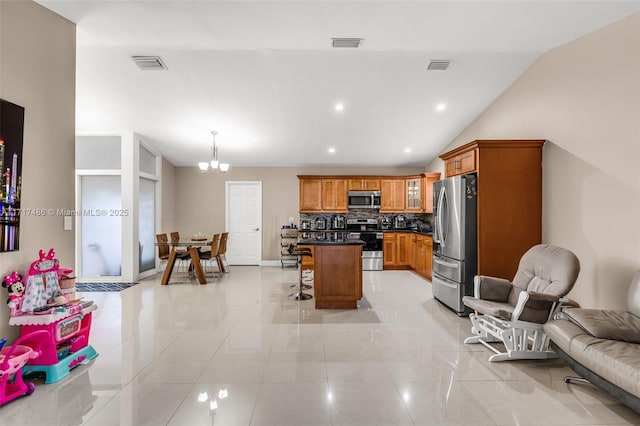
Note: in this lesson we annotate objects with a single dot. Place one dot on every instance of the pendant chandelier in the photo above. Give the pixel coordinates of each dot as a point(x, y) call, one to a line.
point(214, 163)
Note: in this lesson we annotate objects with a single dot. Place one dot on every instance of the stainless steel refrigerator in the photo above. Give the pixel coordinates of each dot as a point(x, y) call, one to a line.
point(455, 257)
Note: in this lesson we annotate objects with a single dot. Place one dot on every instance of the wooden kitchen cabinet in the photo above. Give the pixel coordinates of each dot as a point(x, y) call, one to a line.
point(420, 192)
point(397, 194)
point(428, 180)
point(334, 195)
point(337, 276)
point(397, 250)
point(423, 252)
point(428, 256)
point(415, 194)
point(310, 195)
point(403, 247)
point(509, 206)
point(412, 255)
point(418, 254)
point(392, 195)
point(363, 184)
point(389, 252)
point(461, 163)
point(319, 194)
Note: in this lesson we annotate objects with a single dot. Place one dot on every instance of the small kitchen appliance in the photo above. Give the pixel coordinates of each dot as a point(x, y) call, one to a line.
point(399, 222)
point(385, 223)
point(321, 223)
point(339, 222)
point(305, 225)
point(363, 199)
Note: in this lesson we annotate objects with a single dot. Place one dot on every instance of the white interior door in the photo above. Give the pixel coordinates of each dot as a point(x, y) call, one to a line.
point(244, 222)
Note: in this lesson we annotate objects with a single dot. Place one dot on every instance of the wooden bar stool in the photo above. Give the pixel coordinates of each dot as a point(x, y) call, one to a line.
point(295, 251)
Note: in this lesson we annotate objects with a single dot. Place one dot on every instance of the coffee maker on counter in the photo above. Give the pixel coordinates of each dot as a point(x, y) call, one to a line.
point(399, 222)
point(339, 222)
point(385, 223)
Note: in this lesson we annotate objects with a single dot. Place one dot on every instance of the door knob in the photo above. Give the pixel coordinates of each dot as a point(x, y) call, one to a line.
point(257, 229)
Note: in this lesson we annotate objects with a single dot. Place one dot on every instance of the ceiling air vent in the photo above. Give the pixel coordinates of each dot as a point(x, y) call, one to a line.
point(346, 42)
point(438, 65)
point(147, 63)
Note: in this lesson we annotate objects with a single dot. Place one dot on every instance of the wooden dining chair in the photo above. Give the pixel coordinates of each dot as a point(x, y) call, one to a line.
point(182, 254)
point(212, 255)
point(222, 253)
point(163, 250)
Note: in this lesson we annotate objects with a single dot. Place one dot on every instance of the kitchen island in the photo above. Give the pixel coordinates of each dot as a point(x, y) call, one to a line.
point(337, 276)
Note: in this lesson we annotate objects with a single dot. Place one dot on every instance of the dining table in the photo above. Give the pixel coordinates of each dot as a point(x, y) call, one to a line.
point(193, 247)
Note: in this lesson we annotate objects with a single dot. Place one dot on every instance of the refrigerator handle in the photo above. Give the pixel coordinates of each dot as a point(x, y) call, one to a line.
point(439, 218)
point(436, 226)
point(443, 263)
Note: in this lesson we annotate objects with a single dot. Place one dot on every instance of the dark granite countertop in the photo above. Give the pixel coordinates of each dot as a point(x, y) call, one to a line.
point(333, 231)
point(330, 242)
point(430, 233)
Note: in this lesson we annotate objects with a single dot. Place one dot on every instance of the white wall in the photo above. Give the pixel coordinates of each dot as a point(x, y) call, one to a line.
point(168, 197)
point(37, 71)
point(584, 98)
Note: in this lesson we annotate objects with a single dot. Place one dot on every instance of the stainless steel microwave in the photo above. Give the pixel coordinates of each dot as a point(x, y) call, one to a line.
point(364, 199)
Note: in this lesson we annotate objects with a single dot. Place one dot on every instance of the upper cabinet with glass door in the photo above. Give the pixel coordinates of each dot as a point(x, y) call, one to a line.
point(414, 193)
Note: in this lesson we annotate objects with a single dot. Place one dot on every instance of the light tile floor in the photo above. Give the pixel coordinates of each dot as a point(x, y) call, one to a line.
point(237, 352)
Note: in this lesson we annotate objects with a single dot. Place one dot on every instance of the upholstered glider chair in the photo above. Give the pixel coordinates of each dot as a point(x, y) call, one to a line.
point(513, 312)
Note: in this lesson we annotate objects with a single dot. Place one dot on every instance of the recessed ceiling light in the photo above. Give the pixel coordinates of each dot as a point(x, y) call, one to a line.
point(332, 150)
point(339, 106)
point(441, 106)
point(407, 150)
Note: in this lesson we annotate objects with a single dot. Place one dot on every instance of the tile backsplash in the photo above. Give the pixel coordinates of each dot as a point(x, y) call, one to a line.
point(366, 214)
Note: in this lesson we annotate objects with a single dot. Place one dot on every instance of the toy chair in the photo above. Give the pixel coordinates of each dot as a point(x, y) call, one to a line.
point(513, 313)
point(12, 359)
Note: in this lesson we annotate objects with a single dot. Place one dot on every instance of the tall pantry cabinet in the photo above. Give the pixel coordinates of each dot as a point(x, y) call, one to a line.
point(509, 199)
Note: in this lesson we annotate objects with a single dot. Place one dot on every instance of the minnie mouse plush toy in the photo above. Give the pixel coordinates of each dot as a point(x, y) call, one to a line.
point(15, 287)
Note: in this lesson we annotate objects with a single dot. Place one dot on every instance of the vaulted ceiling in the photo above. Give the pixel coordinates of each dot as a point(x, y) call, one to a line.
point(264, 75)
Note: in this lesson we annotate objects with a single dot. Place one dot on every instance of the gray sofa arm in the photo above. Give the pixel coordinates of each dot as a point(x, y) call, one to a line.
point(606, 324)
point(491, 288)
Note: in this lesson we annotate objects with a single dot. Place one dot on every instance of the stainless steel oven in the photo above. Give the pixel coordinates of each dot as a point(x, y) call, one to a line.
point(367, 231)
point(372, 250)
